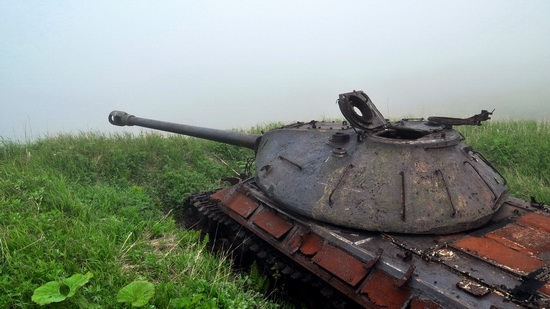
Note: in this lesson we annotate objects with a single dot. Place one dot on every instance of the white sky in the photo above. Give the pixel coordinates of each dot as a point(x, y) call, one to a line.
point(64, 65)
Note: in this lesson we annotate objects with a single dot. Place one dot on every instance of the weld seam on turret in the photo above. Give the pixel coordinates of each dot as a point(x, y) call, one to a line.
point(291, 162)
point(330, 202)
point(492, 167)
point(403, 196)
point(487, 184)
point(453, 214)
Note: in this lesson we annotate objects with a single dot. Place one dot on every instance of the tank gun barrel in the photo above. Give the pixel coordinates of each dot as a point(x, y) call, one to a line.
point(120, 118)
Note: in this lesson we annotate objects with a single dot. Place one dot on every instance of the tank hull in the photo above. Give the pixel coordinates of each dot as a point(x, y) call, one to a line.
point(505, 264)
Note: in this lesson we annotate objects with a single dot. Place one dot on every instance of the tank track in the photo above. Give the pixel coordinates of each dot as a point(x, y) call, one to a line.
point(290, 282)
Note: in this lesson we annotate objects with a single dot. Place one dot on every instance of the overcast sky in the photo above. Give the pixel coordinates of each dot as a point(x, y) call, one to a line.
point(64, 65)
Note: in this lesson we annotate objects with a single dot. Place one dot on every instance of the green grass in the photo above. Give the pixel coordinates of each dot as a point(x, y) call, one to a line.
point(105, 205)
point(520, 150)
point(73, 204)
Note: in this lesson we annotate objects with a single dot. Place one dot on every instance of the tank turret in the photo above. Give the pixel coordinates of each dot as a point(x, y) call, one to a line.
point(367, 173)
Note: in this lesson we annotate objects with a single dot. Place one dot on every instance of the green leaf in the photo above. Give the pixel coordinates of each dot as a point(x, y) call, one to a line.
point(181, 302)
point(48, 293)
point(136, 293)
point(76, 281)
point(55, 291)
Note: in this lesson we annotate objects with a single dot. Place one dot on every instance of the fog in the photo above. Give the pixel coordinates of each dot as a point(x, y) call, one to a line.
point(234, 64)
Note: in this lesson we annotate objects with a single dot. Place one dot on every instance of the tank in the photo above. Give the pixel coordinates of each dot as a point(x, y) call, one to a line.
point(391, 214)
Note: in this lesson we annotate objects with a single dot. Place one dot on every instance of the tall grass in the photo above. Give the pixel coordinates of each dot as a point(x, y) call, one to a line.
point(73, 204)
point(521, 152)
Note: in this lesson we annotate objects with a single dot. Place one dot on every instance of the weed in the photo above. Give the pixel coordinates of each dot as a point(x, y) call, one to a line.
point(63, 290)
point(136, 294)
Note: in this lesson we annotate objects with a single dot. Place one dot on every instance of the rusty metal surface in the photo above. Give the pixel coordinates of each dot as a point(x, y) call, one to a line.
point(271, 222)
point(427, 268)
point(312, 244)
point(423, 304)
point(434, 268)
point(536, 220)
point(382, 290)
point(341, 264)
point(502, 255)
point(526, 239)
point(243, 205)
point(522, 247)
point(445, 266)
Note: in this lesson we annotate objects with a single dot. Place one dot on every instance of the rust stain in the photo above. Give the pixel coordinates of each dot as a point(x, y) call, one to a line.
point(536, 220)
point(312, 244)
point(499, 253)
point(271, 223)
point(243, 205)
point(423, 304)
point(293, 242)
point(545, 289)
point(508, 243)
point(473, 288)
point(525, 239)
point(222, 195)
point(381, 290)
point(341, 264)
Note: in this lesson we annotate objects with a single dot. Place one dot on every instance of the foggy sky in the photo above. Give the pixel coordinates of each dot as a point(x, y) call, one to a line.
point(64, 65)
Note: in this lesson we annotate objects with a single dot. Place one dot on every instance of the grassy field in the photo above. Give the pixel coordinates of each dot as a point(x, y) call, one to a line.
point(105, 205)
point(90, 203)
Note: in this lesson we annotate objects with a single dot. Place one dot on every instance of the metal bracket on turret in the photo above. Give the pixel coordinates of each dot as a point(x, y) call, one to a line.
point(474, 120)
point(360, 112)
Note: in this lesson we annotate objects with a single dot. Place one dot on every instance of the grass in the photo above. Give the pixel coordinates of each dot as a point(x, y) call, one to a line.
point(520, 150)
point(73, 204)
point(105, 204)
